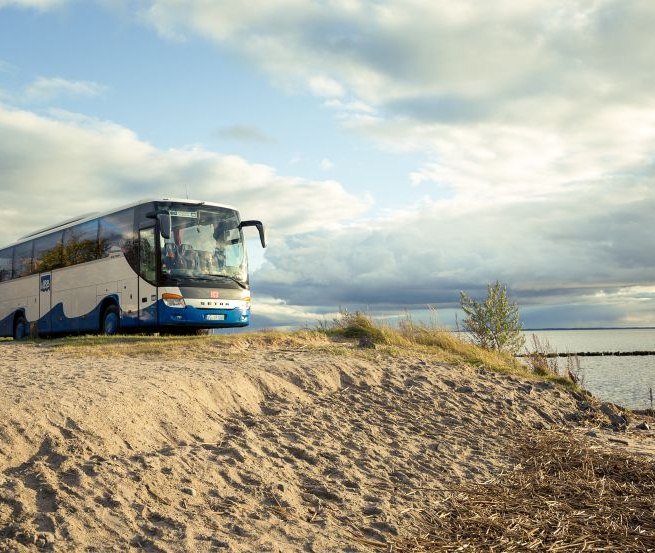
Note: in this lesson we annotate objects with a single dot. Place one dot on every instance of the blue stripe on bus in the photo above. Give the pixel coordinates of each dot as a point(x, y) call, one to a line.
point(156, 314)
point(57, 321)
point(7, 325)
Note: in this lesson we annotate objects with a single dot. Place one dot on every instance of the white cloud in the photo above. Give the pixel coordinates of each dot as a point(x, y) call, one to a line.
point(59, 166)
point(38, 4)
point(324, 86)
point(45, 89)
point(504, 95)
point(349, 107)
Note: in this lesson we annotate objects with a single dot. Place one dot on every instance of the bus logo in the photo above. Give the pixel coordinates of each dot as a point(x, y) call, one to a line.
point(214, 295)
point(45, 283)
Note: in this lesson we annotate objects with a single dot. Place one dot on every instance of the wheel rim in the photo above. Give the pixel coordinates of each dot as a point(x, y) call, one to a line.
point(111, 323)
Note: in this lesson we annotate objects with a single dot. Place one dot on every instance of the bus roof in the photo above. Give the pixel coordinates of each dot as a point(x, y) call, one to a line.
point(90, 216)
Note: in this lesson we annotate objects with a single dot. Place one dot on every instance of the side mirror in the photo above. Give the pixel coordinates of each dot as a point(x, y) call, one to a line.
point(260, 228)
point(164, 224)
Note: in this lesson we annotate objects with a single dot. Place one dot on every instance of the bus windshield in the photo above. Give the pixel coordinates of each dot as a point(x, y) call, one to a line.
point(205, 244)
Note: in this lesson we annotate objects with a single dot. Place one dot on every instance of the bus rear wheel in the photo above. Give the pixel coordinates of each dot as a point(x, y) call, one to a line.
point(110, 321)
point(21, 328)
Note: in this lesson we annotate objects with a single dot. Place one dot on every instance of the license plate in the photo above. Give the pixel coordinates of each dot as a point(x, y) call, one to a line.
point(215, 317)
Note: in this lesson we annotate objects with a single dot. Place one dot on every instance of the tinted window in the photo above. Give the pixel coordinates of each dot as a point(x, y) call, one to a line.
point(47, 253)
point(116, 233)
point(6, 257)
point(81, 243)
point(23, 260)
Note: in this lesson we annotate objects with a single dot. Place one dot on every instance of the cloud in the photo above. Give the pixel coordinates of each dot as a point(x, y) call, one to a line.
point(245, 133)
point(588, 245)
point(66, 164)
point(274, 312)
point(38, 4)
point(45, 89)
point(494, 95)
point(324, 86)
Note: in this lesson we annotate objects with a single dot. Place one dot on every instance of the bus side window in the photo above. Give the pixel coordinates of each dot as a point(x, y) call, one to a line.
point(6, 257)
point(22, 265)
point(47, 253)
point(81, 243)
point(116, 233)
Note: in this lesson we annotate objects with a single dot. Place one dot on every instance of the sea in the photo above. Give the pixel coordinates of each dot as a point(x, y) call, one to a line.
point(624, 380)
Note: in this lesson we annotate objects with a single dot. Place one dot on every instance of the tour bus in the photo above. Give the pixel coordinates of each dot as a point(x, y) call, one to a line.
point(163, 265)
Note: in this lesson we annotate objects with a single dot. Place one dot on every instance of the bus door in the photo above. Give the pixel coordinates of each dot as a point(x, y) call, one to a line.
point(148, 276)
point(45, 303)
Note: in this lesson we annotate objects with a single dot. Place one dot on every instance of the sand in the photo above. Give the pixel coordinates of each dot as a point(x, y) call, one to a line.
point(262, 449)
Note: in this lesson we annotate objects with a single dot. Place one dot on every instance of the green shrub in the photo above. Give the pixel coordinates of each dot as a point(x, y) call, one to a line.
point(495, 322)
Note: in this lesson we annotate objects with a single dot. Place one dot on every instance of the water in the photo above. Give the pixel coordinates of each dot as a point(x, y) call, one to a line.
point(624, 380)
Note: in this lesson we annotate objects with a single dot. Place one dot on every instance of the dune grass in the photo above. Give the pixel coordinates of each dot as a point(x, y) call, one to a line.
point(341, 336)
point(446, 345)
point(195, 347)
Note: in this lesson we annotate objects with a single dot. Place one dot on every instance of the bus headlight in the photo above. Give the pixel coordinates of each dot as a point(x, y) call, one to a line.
point(173, 300)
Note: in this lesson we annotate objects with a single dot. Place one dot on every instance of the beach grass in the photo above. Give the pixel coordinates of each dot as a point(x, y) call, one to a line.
point(341, 336)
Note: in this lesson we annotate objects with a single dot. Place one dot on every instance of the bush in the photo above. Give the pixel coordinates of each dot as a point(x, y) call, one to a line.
point(354, 325)
point(495, 323)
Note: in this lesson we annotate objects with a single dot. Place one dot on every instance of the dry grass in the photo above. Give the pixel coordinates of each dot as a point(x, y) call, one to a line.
point(194, 347)
point(542, 359)
point(566, 496)
point(429, 339)
point(336, 337)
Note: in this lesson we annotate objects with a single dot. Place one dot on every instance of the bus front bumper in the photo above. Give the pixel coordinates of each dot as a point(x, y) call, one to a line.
point(203, 318)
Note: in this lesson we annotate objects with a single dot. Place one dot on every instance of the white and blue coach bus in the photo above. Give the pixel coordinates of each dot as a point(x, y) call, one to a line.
point(158, 265)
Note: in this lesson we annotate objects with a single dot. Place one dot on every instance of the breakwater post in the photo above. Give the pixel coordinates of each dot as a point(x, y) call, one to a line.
point(595, 354)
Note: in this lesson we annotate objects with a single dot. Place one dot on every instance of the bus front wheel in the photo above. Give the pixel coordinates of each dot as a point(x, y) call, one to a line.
point(110, 322)
point(21, 328)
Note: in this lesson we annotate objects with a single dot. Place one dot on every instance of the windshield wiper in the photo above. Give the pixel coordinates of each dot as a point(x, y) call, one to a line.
point(233, 279)
point(214, 276)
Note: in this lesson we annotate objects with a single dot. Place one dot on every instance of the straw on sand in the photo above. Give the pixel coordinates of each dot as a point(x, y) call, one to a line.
point(566, 496)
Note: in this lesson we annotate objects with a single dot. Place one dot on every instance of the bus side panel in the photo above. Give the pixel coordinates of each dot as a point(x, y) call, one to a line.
point(74, 297)
point(105, 290)
point(128, 291)
point(7, 310)
point(78, 292)
point(6, 322)
point(147, 304)
point(18, 295)
point(86, 304)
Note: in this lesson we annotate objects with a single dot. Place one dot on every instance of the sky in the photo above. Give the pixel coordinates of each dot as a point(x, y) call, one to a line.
point(398, 152)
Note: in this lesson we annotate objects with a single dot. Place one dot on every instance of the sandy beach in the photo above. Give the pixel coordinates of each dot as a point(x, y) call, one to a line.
point(269, 448)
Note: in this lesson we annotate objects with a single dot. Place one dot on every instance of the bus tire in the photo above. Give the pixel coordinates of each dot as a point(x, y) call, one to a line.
point(21, 328)
point(110, 322)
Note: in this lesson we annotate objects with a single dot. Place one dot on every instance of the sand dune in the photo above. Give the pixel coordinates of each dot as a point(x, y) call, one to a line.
point(294, 449)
